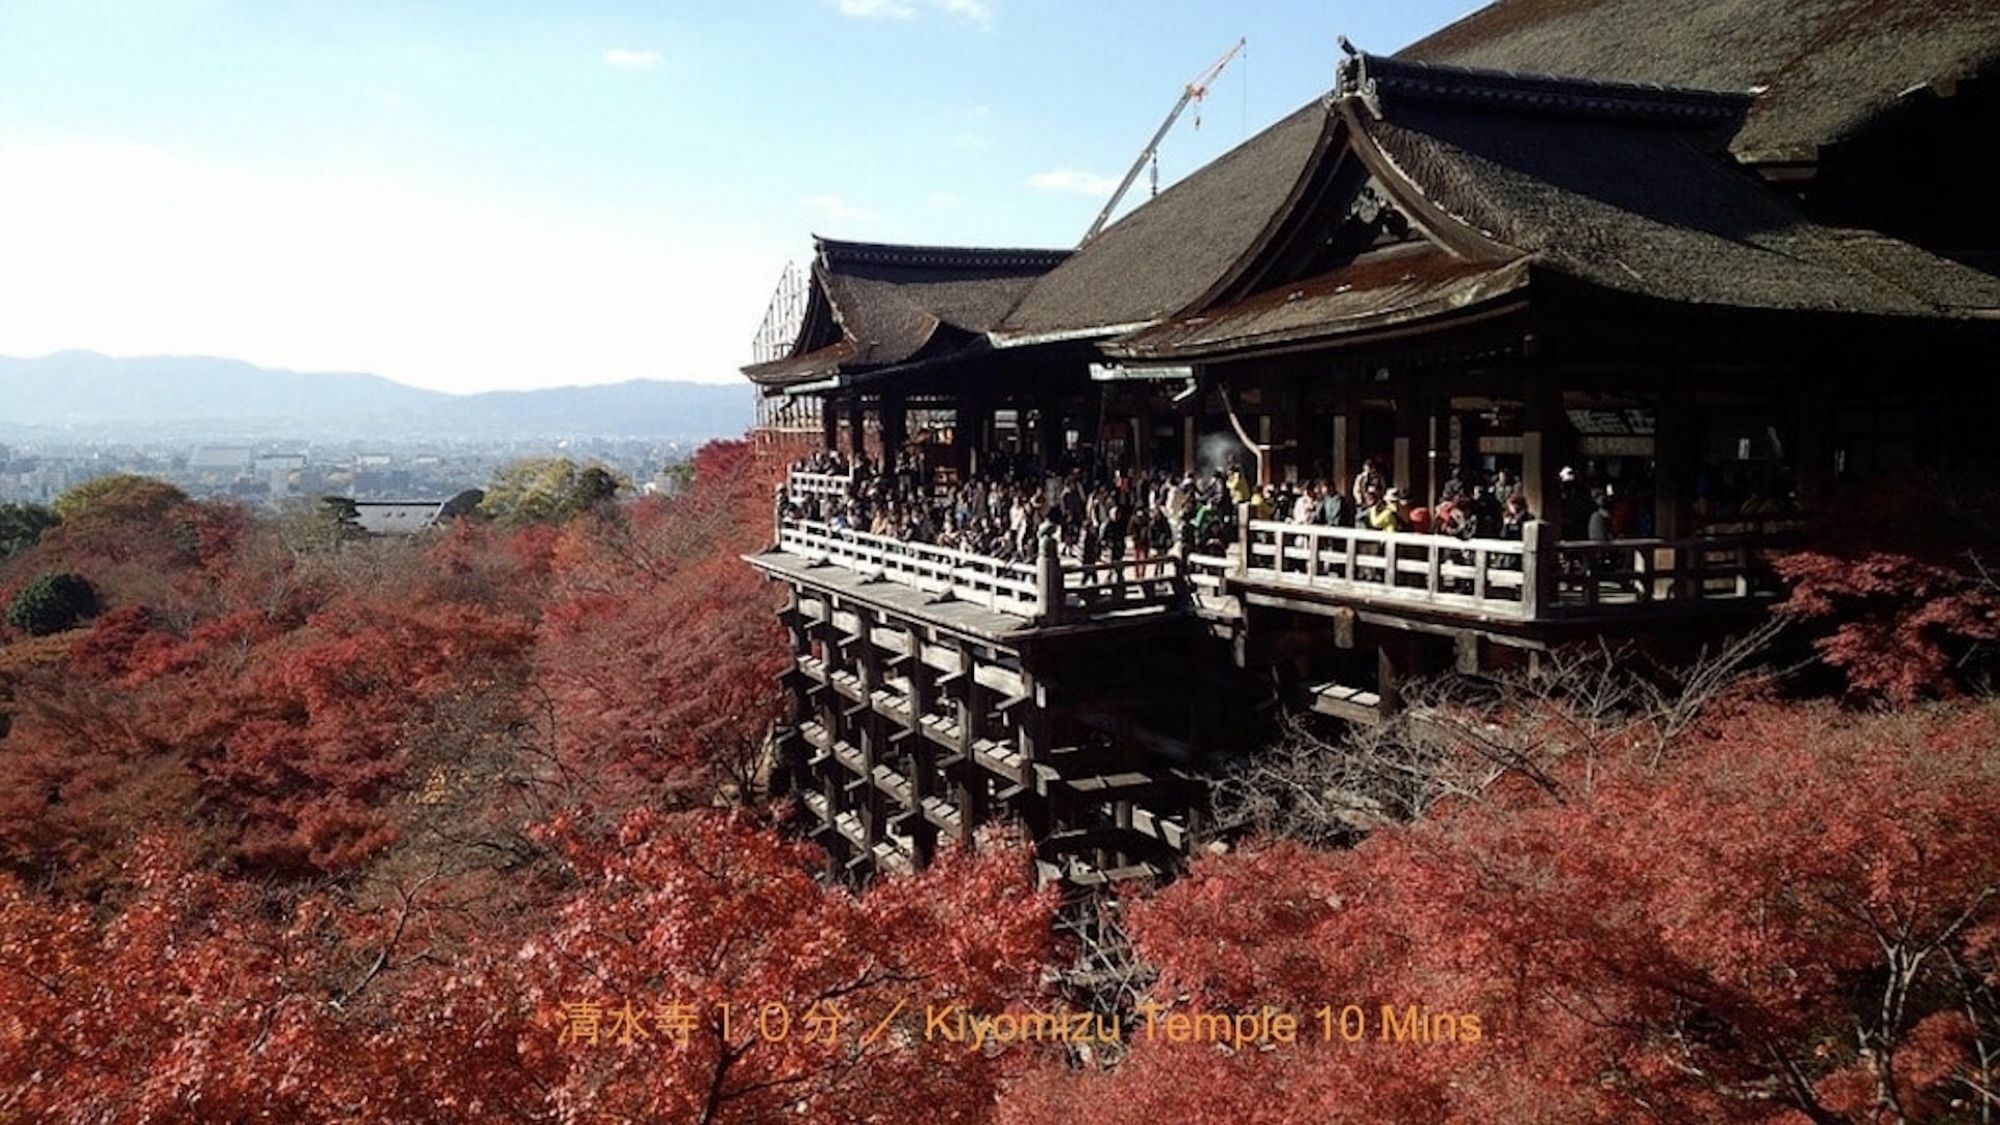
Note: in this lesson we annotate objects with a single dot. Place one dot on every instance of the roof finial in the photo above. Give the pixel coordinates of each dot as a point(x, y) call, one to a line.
point(1350, 78)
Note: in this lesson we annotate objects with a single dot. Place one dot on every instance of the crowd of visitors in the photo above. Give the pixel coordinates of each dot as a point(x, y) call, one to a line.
point(1093, 514)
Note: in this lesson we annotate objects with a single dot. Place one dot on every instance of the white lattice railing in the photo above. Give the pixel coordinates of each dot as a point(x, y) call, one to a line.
point(1005, 587)
point(834, 486)
point(1489, 577)
point(1527, 579)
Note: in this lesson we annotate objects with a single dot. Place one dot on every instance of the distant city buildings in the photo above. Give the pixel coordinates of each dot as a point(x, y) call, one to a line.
point(273, 473)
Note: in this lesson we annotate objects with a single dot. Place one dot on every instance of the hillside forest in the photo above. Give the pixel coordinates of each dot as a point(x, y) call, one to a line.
point(301, 826)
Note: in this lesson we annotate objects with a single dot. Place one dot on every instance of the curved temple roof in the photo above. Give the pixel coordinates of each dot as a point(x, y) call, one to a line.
point(1601, 140)
point(1623, 186)
point(1820, 68)
point(875, 305)
point(1630, 188)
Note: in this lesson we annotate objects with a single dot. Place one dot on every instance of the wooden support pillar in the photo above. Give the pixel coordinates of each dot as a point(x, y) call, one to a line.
point(1461, 442)
point(1033, 729)
point(833, 791)
point(1048, 434)
point(857, 427)
point(969, 786)
point(1813, 453)
point(968, 435)
point(1434, 465)
point(829, 426)
point(1142, 438)
point(1346, 450)
point(895, 428)
point(1281, 433)
point(1400, 660)
point(1190, 454)
point(1676, 458)
point(1412, 437)
point(922, 772)
point(1544, 447)
point(870, 730)
point(1538, 567)
point(1392, 672)
point(788, 773)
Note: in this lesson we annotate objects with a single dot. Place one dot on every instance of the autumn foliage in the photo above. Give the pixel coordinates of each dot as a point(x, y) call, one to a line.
point(1793, 918)
point(1896, 587)
point(473, 828)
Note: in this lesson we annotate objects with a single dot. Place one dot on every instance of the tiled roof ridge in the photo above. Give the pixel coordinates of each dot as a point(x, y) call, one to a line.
point(837, 252)
point(1380, 80)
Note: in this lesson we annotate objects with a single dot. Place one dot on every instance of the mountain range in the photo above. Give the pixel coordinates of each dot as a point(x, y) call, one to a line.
point(84, 395)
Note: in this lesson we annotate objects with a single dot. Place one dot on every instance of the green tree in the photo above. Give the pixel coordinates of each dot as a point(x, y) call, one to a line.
point(549, 490)
point(21, 527)
point(51, 603)
point(121, 497)
point(337, 520)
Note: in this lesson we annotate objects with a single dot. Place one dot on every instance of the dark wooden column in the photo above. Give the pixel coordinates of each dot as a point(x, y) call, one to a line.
point(922, 755)
point(1813, 422)
point(969, 435)
point(833, 781)
point(829, 425)
point(1034, 727)
point(1410, 461)
point(1544, 445)
point(1281, 436)
point(1142, 436)
point(895, 427)
point(1432, 467)
point(1048, 433)
point(1345, 458)
point(789, 774)
point(857, 426)
point(871, 737)
point(1676, 458)
point(969, 784)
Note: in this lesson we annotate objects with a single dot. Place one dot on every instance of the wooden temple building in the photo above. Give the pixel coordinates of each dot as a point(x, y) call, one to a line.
point(1734, 255)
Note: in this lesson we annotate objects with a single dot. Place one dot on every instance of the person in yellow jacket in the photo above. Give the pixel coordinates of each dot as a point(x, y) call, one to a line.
point(1239, 485)
point(1387, 513)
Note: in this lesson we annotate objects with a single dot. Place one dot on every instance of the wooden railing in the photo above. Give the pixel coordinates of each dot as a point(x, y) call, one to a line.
point(1530, 579)
point(1004, 587)
point(1092, 589)
point(1048, 591)
point(1626, 572)
point(1490, 577)
point(834, 485)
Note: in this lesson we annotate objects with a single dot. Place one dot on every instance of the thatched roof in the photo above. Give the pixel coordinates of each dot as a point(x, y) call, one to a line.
point(1402, 285)
point(1625, 187)
point(1172, 249)
point(875, 305)
point(1821, 68)
point(1643, 200)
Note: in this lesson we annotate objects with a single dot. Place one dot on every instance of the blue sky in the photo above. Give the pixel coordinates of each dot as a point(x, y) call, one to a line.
point(488, 193)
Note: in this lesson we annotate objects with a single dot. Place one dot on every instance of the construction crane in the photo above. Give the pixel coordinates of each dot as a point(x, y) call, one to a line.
point(1193, 92)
